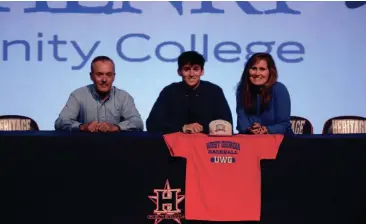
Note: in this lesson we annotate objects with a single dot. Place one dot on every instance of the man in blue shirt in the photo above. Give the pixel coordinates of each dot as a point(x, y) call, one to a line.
point(100, 107)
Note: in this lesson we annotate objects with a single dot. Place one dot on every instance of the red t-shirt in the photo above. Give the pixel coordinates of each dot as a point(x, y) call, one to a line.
point(223, 175)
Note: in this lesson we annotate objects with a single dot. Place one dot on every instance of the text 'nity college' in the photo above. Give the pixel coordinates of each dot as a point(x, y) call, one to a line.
point(227, 51)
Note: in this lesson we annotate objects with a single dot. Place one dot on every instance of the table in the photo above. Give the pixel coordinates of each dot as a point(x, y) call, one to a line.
point(58, 178)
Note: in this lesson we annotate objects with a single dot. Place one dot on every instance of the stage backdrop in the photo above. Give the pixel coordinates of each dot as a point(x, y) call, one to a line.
point(46, 49)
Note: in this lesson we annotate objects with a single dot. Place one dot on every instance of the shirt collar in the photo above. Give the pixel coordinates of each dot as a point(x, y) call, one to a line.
point(187, 89)
point(95, 94)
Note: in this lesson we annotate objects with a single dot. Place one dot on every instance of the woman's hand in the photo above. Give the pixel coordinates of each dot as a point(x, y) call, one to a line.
point(258, 129)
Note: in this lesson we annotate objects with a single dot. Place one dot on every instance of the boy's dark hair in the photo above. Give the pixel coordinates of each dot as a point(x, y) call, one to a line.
point(100, 58)
point(191, 58)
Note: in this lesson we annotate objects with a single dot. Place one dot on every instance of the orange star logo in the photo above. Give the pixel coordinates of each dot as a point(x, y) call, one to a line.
point(167, 202)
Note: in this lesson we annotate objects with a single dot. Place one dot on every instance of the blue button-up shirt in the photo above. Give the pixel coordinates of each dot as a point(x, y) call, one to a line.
point(276, 117)
point(84, 105)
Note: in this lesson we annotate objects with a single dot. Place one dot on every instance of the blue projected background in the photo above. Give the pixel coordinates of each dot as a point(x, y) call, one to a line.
point(46, 49)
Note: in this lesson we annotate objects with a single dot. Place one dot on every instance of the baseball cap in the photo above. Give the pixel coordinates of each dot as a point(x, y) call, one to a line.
point(220, 127)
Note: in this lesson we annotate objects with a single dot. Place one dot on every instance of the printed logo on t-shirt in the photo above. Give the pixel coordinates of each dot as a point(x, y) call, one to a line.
point(223, 151)
point(167, 202)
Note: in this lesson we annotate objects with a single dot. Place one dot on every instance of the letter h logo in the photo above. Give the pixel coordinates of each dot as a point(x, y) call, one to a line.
point(167, 200)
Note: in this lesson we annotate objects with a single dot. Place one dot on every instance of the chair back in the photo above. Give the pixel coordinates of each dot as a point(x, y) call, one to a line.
point(17, 123)
point(301, 125)
point(345, 125)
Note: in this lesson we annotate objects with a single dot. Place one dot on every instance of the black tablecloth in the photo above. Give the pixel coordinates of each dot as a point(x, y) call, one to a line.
point(64, 178)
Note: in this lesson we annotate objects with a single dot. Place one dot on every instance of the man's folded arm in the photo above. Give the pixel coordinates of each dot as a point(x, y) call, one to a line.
point(68, 118)
point(132, 118)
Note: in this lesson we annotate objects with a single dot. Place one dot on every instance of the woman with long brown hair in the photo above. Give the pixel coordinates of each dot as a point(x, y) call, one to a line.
point(263, 103)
